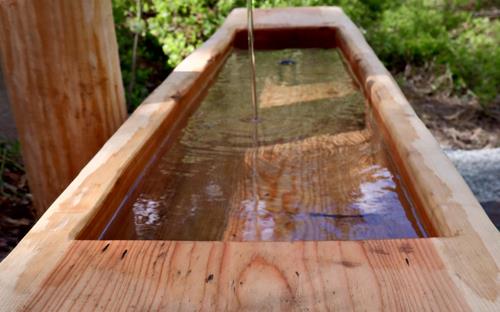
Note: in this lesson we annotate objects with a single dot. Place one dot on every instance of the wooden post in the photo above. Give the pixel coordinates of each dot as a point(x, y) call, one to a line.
point(61, 67)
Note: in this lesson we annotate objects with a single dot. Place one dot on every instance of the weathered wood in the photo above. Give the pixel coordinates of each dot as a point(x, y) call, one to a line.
point(50, 269)
point(60, 61)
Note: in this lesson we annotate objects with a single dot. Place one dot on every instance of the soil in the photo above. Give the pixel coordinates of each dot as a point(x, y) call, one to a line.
point(454, 123)
point(16, 210)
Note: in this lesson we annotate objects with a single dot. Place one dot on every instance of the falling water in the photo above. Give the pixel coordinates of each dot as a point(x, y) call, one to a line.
point(252, 59)
point(255, 120)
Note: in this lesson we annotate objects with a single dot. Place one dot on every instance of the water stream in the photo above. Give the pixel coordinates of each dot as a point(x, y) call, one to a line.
point(251, 52)
point(255, 105)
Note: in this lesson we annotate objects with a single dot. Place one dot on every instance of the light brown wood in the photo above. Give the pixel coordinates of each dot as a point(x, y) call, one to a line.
point(272, 95)
point(61, 66)
point(457, 271)
point(393, 275)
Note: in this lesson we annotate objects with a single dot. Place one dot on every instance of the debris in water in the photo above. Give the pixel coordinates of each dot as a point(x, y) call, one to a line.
point(287, 62)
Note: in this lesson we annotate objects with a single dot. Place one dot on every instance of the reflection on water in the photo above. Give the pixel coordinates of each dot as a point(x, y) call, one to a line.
point(312, 168)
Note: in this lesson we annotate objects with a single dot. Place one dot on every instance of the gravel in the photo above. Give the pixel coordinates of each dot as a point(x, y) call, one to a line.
point(481, 171)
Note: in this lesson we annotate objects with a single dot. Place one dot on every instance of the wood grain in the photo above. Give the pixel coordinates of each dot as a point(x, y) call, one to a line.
point(397, 275)
point(61, 66)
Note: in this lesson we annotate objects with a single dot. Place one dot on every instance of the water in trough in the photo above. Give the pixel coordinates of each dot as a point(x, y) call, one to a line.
point(314, 167)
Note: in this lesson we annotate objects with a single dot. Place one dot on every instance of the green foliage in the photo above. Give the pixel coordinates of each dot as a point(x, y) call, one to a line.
point(419, 32)
point(10, 159)
point(182, 25)
point(474, 57)
point(410, 33)
point(151, 69)
point(413, 32)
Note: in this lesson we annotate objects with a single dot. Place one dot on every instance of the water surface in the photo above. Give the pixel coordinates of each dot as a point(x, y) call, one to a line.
point(312, 168)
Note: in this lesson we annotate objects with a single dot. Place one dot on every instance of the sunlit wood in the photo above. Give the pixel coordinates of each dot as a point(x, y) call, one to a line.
point(275, 95)
point(61, 67)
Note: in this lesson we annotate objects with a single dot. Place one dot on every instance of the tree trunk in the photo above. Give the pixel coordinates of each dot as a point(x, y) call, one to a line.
point(61, 67)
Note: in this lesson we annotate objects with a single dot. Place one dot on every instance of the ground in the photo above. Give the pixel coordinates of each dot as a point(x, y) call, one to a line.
point(16, 215)
point(456, 121)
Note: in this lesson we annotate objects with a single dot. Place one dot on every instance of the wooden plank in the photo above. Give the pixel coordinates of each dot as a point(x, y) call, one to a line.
point(61, 66)
point(459, 271)
point(396, 275)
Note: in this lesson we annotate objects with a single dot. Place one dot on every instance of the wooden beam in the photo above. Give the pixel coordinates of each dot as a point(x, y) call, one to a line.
point(61, 66)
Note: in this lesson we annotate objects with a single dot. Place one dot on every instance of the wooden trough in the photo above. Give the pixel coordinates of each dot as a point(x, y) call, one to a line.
point(53, 268)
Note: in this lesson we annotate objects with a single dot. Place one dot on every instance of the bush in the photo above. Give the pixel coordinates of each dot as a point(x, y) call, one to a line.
point(417, 33)
point(474, 58)
point(150, 69)
point(182, 25)
point(409, 34)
